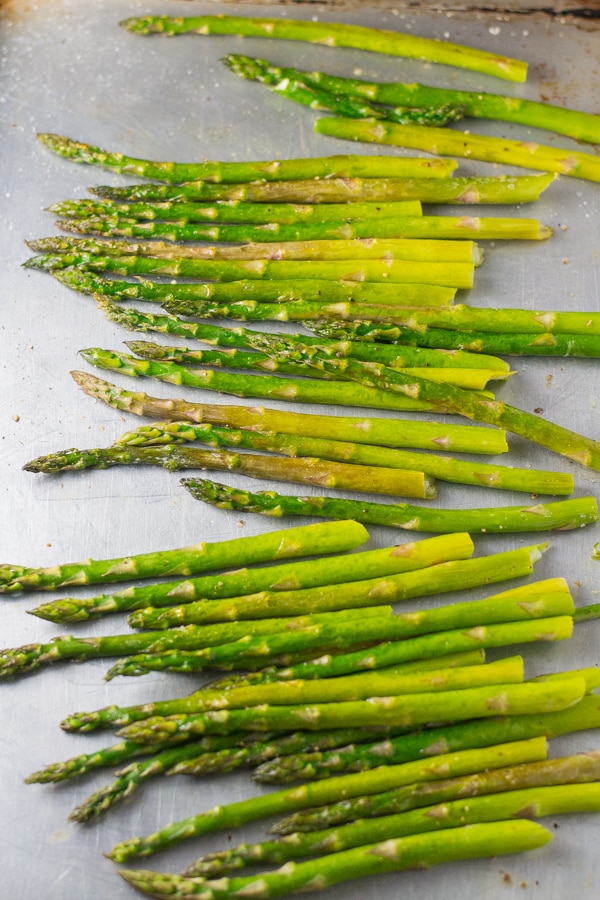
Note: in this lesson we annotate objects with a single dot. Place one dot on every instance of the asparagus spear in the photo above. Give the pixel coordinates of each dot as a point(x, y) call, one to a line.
point(347, 786)
point(395, 854)
point(240, 337)
point(386, 682)
point(546, 801)
point(336, 34)
point(561, 514)
point(384, 432)
point(283, 577)
point(300, 390)
point(30, 657)
point(545, 344)
point(285, 82)
point(235, 211)
point(439, 467)
point(302, 470)
point(357, 757)
point(438, 227)
point(311, 289)
point(201, 557)
point(120, 753)
point(402, 589)
point(442, 251)
point(576, 447)
point(346, 166)
point(259, 746)
point(460, 190)
point(446, 274)
point(446, 142)
point(477, 104)
point(580, 768)
point(469, 378)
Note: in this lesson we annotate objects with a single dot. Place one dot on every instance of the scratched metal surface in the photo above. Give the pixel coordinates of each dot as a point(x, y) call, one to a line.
point(68, 68)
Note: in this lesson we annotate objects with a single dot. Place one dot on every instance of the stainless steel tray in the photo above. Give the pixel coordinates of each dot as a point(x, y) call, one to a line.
point(68, 68)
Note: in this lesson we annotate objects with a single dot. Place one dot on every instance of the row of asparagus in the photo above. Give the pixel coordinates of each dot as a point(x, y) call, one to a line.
point(394, 775)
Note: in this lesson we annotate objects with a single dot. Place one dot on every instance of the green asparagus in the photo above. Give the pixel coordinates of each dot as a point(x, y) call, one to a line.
point(300, 390)
point(476, 104)
point(201, 557)
point(384, 432)
point(550, 435)
point(489, 189)
point(580, 768)
point(446, 142)
point(439, 467)
point(231, 358)
point(345, 786)
point(283, 577)
point(311, 765)
point(561, 514)
point(528, 802)
point(346, 166)
point(336, 34)
point(544, 344)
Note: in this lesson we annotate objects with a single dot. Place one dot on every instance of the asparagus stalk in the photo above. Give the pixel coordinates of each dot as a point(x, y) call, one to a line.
point(260, 747)
point(384, 432)
point(489, 189)
point(580, 768)
point(347, 786)
point(244, 338)
point(476, 104)
point(383, 654)
point(545, 344)
point(402, 589)
point(552, 800)
point(576, 447)
point(439, 467)
point(119, 753)
point(427, 227)
point(476, 841)
point(300, 390)
point(442, 251)
point(285, 82)
point(346, 166)
point(446, 142)
point(358, 757)
point(201, 557)
point(238, 212)
point(302, 470)
point(470, 378)
point(311, 289)
point(386, 682)
point(336, 34)
point(30, 657)
point(283, 577)
point(445, 274)
point(561, 514)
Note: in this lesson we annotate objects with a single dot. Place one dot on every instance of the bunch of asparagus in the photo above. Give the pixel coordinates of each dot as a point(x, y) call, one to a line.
point(392, 674)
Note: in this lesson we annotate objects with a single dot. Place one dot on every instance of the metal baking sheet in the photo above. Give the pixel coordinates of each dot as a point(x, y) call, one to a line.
point(67, 67)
